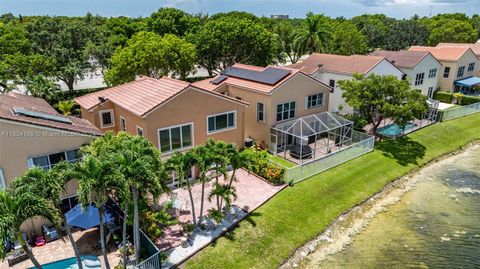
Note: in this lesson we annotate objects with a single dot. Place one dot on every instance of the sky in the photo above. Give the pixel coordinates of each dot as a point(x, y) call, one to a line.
point(294, 8)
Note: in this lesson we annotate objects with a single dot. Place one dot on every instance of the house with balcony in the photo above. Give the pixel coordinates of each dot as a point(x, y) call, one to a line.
point(459, 66)
point(274, 94)
point(330, 69)
point(420, 67)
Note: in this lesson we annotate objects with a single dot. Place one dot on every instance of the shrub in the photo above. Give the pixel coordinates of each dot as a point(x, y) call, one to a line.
point(442, 96)
point(467, 100)
point(358, 121)
point(261, 166)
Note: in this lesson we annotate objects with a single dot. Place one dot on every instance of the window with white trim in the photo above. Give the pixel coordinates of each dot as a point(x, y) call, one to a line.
point(175, 137)
point(313, 101)
point(49, 160)
point(419, 79)
point(460, 71)
point(3, 185)
point(123, 124)
point(471, 66)
point(260, 112)
point(285, 111)
point(432, 73)
point(430, 92)
point(220, 122)
point(139, 131)
point(106, 118)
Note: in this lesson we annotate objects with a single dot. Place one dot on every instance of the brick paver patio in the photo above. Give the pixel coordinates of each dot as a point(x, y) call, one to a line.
point(252, 192)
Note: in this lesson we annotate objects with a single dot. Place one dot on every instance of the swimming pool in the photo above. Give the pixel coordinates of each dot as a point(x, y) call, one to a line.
point(393, 130)
point(89, 262)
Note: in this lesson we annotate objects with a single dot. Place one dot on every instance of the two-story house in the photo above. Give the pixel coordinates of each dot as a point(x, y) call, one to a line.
point(330, 69)
point(421, 68)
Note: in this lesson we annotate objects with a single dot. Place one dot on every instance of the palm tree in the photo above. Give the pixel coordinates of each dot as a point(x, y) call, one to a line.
point(203, 159)
point(218, 149)
point(18, 208)
point(99, 177)
point(182, 164)
point(314, 35)
point(48, 185)
point(225, 193)
point(66, 107)
point(140, 166)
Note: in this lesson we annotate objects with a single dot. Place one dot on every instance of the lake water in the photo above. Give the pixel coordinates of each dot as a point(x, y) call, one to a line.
point(435, 225)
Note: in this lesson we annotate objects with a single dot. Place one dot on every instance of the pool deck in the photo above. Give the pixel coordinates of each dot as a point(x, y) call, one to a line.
point(60, 249)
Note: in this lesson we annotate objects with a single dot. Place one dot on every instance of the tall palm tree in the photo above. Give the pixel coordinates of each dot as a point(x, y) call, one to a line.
point(219, 150)
point(99, 177)
point(203, 158)
point(314, 35)
point(140, 166)
point(48, 185)
point(18, 208)
point(182, 164)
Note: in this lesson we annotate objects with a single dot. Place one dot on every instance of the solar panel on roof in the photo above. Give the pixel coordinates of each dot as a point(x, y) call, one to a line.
point(270, 75)
point(40, 115)
point(219, 79)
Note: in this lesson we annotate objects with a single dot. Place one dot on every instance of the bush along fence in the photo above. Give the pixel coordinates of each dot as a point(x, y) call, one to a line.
point(459, 112)
point(361, 144)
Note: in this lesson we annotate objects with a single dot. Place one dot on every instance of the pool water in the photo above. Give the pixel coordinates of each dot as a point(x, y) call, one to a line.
point(89, 262)
point(395, 129)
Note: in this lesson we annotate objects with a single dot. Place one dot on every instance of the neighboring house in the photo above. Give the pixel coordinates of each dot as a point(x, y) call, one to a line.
point(421, 68)
point(275, 94)
point(474, 47)
point(330, 69)
point(458, 63)
point(172, 114)
point(32, 133)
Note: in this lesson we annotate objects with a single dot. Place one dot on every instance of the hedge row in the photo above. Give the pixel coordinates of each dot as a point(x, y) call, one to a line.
point(442, 96)
point(467, 100)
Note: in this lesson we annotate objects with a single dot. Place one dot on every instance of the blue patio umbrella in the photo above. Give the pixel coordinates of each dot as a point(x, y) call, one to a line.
point(86, 218)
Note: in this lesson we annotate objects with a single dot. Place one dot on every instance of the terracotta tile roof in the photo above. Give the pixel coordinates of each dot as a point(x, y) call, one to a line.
point(450, 54)
point(474, 47)
point(338, 63)
point(244, 83)
point(139, 96)
point(11, 101)
point(403, 58)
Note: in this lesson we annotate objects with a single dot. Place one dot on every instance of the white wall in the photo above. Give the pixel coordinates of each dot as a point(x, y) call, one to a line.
point(336, 100)
point(424, 66)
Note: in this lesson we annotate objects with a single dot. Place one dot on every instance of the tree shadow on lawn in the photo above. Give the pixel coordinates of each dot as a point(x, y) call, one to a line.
point(405, 150)
point(230, 235)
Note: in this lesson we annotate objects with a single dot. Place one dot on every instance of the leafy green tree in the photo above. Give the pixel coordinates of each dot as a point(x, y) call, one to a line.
point(49, 185)
point(203, 159)
point(285, 32)
point(170, 20)
point(99, 177)
point(147, 53)
point(315, 34)
point(347, 40)
point(15, 210)
point(381, 97)
point(235, 15)
point(373, 27)
point(223, 42)
point(66, 107)
point(40, 86)
point(476, 24)
point(450, 30)
point(64, 40)
point(402, 34)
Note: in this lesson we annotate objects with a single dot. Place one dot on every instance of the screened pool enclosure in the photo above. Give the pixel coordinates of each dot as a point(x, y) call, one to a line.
point(310, 137)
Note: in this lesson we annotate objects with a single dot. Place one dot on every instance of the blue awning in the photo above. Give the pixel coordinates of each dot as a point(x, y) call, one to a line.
point(471, 81)
point(86, 218)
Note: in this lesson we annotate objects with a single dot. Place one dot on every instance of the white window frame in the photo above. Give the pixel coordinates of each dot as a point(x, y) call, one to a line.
point(112, 116)
point(307, 103)
point(462, 73)
point(192, 132)
point(419, 78)
point(430, 92)
point(258, 112)
point(49, 165)
point(224, 129)
point(290, 108)
point(471, 67)
point(3, 185)
point(432, 73)
point(139, 128)
point(122, 121)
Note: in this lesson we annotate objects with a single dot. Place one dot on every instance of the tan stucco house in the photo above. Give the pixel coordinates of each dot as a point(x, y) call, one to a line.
point(174, 115)
point(32, 133)
point(458, 62)
point(274, 94)
point(475, 47)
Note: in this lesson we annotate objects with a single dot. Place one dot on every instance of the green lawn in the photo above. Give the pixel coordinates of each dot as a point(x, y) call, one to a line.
point(281, 161)
point(300, 213)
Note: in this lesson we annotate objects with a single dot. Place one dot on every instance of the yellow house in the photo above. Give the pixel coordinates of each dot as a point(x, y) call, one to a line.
point(275, 94)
